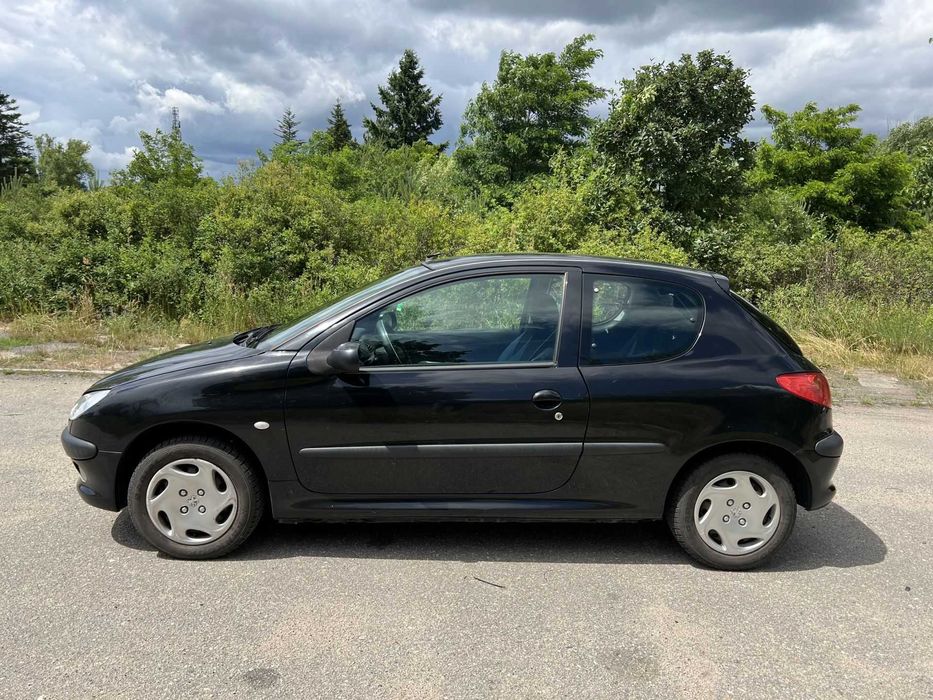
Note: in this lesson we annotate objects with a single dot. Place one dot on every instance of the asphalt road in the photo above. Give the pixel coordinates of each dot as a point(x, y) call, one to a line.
point(88, 609)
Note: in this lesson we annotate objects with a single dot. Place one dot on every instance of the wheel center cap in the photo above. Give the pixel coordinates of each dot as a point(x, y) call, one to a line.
point(193, 501)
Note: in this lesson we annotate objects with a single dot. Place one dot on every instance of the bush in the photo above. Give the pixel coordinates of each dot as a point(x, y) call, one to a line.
point(308, 225)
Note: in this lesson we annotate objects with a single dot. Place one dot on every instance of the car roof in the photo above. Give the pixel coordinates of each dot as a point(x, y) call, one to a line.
point(587, 262)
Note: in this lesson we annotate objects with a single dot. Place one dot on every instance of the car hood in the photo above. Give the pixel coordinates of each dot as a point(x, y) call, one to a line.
point(188, 357)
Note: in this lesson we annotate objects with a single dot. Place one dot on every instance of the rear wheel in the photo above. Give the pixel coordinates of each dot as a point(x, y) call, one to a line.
point(195, 498)
point(733, 512)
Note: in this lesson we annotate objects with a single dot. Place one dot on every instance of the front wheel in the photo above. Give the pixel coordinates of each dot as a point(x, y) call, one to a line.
point(733, 512)
point(195, 498)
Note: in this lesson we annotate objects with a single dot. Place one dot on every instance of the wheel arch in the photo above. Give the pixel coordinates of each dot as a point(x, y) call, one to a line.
point(789, 464)
point(152, 436)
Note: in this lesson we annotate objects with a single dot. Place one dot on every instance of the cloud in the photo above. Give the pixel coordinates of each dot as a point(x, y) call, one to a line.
point(723, 13)
point(102, 70)
point(163, 101)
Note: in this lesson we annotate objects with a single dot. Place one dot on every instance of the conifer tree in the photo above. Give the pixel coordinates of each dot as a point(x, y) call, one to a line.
point(409, 111)
point(287, 129)
point(339, 128)
point(15, 155)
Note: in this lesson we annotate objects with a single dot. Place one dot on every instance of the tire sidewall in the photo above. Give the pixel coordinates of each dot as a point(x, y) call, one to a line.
point(700, 477)
point(236, 469)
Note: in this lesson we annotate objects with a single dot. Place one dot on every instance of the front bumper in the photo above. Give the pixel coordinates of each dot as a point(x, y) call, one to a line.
point(97, 471)
point(820, 464)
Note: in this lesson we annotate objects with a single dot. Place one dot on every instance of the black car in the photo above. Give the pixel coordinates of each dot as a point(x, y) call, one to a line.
point(522, 387)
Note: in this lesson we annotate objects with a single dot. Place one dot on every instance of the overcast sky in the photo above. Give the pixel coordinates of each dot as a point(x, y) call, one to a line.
point(102, 70)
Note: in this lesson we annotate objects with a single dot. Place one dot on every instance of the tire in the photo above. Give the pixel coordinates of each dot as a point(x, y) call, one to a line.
point(194, 497)
point(709, 503)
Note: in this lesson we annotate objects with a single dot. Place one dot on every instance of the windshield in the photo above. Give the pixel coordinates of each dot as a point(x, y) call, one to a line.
point(321, 314)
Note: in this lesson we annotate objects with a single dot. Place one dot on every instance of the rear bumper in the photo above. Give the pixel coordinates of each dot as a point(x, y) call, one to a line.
point(97, 471)
point(820, 464)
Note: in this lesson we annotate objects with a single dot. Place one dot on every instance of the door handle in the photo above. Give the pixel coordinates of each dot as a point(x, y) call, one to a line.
point(546, 399)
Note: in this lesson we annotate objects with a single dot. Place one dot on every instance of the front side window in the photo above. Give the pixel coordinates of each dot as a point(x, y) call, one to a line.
point(637, 320)
point(501, 319)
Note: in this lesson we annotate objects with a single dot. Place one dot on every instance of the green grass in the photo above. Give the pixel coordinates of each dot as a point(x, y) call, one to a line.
point(842, 333)
point(9, 343)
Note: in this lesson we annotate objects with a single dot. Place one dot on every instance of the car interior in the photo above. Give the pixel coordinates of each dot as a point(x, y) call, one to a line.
point(640, 321)
point(530, 336)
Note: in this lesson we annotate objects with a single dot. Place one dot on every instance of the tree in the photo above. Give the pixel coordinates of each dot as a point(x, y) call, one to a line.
point(836, 170)
point(676, 128)
point(536, 106)
point(910, 137)
point(163, 157)
point(410, 111)
point(64, 165)
point(15, 155)
point(916, 140)
point(287, 129)
point(920, 192)
point(338, 128)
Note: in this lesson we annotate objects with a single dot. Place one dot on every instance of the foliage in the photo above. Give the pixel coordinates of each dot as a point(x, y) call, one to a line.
point(677, 128)
point(910, 137)
point(536, 106)
point(819, 158)
point(410, 111)
point(893, 326)
point(338, 128)
point(64, 165)
point(15, 156)
point(286, 131)
point(920, 191)
point(888, 266)
point(164, 157)
point(830, 230)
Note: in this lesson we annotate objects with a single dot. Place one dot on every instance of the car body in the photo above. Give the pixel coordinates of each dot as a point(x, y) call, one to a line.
point(521, 387)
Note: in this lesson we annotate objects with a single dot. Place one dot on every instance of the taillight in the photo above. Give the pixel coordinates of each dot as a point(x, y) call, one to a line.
point(811, 386)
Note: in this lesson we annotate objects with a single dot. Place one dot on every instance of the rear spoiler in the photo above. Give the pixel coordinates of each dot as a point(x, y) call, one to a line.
point(722, 281)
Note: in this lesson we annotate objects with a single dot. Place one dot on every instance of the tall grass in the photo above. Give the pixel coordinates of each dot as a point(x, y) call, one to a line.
point(844, 332)
point(859, 323)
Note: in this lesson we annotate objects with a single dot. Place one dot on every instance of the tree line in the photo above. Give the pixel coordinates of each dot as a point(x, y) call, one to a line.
point(818, 212)
point(673, 131)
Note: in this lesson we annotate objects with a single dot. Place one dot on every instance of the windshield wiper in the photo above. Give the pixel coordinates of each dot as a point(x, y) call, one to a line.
point(252, 337)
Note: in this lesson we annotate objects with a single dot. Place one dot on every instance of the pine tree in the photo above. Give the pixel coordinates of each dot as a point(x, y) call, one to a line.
point(339, 128)
point(410, 110)
point(287, 129)
point(15, 154)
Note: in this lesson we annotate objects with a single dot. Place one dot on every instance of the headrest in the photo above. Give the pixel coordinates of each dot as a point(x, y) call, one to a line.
point(542, 309)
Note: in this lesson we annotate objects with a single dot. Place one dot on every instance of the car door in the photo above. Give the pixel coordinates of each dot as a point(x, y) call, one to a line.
point(472, 387)
point(648, 393)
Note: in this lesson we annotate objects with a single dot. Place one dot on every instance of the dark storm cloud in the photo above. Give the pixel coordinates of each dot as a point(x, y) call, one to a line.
point(102, 70)
point(752, 14)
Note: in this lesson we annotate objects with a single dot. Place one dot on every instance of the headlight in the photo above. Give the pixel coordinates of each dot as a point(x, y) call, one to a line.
point(85, 403)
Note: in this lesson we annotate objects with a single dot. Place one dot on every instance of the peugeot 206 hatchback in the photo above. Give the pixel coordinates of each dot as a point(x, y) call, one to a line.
point(523, 387)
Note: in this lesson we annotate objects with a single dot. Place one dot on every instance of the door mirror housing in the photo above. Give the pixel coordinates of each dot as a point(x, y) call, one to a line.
point(345, 358)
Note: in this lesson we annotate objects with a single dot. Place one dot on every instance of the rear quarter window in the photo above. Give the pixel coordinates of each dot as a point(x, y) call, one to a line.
point(632, 320)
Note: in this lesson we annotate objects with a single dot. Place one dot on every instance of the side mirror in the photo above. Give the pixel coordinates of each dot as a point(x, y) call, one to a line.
point(345, 358)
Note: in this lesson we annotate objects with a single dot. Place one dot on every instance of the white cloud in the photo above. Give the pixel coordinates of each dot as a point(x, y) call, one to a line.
point(161, 102)
point(28, 109)
point(245, 98)
point(107, 161)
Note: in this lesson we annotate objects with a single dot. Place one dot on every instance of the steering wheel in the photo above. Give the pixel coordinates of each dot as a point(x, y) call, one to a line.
point(386, 341)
